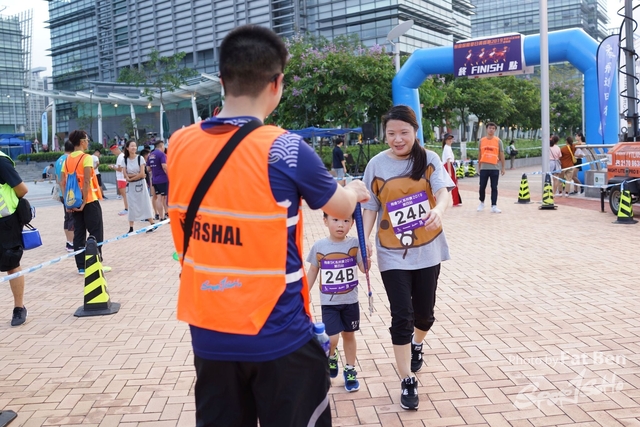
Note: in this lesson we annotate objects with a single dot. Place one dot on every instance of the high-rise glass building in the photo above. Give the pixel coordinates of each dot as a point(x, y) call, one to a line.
point(94, 39)
point(74, 50)
point(128, 30)
point(15, 58)
point(523, 16)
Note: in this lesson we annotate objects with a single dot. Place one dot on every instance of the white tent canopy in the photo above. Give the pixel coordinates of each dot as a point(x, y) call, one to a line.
point(203, 85)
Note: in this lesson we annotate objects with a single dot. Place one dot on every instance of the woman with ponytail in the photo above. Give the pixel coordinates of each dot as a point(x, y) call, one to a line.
point(409, 195)
point(447, 160)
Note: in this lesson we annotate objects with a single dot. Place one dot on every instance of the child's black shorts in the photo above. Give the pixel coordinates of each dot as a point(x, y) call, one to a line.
point(341, 318)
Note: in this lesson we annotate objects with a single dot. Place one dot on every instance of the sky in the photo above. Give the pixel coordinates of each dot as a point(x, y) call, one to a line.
point(41, 40)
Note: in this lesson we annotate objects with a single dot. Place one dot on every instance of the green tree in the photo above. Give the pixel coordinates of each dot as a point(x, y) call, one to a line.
point(565, 98)
point(565, 106)
point(340, 83)
point(525, 95)
point(161, 73)
point(129, 127)
point(436, 111)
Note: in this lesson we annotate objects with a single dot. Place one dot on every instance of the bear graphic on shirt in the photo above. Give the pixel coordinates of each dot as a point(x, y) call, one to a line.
point(353, 252)
point(397, 188)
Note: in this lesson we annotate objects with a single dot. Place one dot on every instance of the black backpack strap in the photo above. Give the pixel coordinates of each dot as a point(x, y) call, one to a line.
point(208, 178)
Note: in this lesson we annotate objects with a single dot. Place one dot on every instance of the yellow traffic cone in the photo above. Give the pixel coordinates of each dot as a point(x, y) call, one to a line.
point(524, 196)
point(547, 194)
point(96, 296)
point(625, 211)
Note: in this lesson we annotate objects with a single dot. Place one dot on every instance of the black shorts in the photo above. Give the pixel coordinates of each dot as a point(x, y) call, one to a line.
point(69, 223)
point(44, 175)
point(341, 318)
point(161, 189)
point(10, 243)
point(290, 391)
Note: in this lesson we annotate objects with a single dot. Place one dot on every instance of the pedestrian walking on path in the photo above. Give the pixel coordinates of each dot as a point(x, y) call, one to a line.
point(12, 189)
point(409, 195)
point(337, 259)
point(448, 160)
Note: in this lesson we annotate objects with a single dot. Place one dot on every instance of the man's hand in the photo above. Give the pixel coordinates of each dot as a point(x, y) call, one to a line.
point(502, 172)
point(80, 209)
point(360, 189)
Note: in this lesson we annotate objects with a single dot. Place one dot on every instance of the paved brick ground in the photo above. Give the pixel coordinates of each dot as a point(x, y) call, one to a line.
point(537, 325)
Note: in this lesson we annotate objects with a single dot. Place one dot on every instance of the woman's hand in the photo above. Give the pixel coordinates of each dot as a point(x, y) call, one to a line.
point(369, 252)
point(433, 220)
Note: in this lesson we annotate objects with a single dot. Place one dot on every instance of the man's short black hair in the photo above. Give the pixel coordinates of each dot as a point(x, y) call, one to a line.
point(250, 58)
point(492, 124)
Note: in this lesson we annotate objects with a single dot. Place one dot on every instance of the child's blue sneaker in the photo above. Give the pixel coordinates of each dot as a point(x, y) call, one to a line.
point(351, 382)
point(81, 271)
point(333, 364)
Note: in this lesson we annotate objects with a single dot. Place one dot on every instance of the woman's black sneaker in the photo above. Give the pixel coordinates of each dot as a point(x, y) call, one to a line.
point(416, 357)
point(409, 398)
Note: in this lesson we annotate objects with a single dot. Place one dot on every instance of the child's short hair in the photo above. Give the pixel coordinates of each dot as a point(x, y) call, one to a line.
point(325, 215)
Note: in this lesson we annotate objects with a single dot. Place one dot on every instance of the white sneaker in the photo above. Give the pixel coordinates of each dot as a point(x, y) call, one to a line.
point(495, 209)
point(480, 207)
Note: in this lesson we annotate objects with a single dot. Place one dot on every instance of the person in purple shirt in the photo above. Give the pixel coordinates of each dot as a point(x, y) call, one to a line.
point(159, 179)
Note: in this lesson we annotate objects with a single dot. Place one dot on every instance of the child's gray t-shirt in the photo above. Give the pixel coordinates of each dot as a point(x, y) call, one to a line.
point(338, 264)
point(401, 242)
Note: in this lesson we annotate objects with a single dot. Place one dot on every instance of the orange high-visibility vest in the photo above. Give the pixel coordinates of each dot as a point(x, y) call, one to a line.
point(489, 149)
point(93, 193)
point(234, 271)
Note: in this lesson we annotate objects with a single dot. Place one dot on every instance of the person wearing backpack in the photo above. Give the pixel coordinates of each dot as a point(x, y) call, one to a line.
point(137, 192)
point(81, 195)
point(12, 189)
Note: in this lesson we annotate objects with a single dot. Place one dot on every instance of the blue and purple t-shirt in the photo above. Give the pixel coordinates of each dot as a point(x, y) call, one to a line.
point(288, 327)
point(156, 159)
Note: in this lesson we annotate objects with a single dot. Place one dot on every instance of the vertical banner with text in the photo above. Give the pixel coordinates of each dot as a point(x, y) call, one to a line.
point(45, 130)
point(607, 65)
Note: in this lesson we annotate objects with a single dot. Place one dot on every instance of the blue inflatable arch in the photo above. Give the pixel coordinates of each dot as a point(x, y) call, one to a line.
point(574, 46)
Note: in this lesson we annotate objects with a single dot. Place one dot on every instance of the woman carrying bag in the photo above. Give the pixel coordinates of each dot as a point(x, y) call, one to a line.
point(137, 192)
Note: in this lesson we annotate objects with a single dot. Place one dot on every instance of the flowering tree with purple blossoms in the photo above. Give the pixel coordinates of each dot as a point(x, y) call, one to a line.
point(330, 84)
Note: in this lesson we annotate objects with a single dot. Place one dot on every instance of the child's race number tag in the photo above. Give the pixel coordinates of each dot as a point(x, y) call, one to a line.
point(406, 213)
point(338, 275)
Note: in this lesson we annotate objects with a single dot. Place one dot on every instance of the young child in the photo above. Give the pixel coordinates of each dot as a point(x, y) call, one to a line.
point(336, 257)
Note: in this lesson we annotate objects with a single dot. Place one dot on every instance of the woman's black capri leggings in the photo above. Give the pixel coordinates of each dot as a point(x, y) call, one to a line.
point(412, 296)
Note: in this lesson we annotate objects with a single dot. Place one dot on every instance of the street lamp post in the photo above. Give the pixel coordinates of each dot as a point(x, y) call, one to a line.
point(91, 114)
point(395, 33)
point(15, 115)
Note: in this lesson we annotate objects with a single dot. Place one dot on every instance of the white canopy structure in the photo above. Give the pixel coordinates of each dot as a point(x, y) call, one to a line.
point(203, 85)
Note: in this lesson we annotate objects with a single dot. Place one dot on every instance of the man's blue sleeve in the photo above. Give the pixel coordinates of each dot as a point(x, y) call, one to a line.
point(314, 182)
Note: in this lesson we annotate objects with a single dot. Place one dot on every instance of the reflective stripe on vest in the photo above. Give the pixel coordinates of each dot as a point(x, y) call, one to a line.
point(234, 271)
point(489, 149)
point(8, 196)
